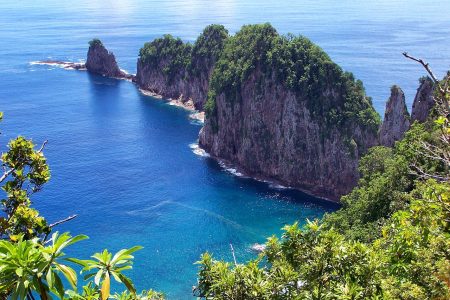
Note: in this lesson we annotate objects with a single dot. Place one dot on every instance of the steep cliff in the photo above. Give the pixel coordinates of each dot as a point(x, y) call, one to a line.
point(280, 109)
point(178, 70)
point(423, 102)
point(396, 118)
point(101, 61)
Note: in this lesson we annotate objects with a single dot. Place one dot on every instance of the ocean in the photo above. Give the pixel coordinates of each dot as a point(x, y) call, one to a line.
point(127, 164)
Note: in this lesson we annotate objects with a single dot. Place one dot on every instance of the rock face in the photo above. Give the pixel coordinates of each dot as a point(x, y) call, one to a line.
point(423, 102)
point(173, 69)
point(271, 130)
point(396, 118)
point(101, 61)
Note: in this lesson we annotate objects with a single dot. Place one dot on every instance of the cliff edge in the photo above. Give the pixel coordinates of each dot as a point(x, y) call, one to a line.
point(280, 109)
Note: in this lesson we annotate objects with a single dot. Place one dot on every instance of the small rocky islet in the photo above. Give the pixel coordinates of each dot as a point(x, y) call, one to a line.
point(277, 107)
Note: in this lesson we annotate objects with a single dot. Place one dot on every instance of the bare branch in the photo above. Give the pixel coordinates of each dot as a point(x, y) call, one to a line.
point(6, 174)
point(424, 64)
point(424, 175)
point(63, 221)
point(43, 146)
point(234, 256)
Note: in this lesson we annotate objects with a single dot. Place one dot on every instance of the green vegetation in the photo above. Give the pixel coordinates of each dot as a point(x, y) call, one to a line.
point(95, 42)
point(169, 52)
point(333, 96)
point(390, 240)
point(207, 49)
point(33, 264)
point(176, 58)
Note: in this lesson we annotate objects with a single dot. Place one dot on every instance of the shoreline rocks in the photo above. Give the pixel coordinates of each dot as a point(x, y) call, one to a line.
point(64, 64)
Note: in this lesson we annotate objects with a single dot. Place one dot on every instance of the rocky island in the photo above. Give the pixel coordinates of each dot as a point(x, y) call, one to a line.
point(103, 62)
point(277, 107)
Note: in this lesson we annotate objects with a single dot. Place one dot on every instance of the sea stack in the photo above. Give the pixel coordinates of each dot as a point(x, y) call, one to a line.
point(424, 101)
point(102, 62)
point(396, 118)
point(279, 109)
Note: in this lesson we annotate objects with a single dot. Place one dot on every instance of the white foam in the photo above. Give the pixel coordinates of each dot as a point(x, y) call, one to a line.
point(149, 208)
point(258, 247)
point(231, 170)
point(197, 150)
point(277, 186)
point(197, 117)
point(59, 64)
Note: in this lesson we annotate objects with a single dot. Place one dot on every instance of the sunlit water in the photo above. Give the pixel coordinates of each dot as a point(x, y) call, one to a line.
point(123, 162)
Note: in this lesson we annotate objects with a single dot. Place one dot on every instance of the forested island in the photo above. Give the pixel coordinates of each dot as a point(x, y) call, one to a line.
point(278, 108)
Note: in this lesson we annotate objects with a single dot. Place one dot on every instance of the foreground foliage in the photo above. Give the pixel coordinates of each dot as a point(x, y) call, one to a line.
point(390, 240)
point(32, 260)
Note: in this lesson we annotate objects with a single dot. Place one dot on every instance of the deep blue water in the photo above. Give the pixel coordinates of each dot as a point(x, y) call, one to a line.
point(122, 161)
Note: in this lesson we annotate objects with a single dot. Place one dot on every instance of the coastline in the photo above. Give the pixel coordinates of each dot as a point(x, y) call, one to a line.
point(188, 105)
point(238, 171)
point(198, 116)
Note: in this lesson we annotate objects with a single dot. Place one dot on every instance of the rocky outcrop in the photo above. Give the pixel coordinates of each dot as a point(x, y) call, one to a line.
point(296, 135)
point(176, 70)
point(102, 62)
point(396, 118)
point(424, 101)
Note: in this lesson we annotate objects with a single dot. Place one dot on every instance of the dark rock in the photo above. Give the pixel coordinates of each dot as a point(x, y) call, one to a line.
point(101, 61)
point(396, 118)
point(423, 102)
point(277, 138)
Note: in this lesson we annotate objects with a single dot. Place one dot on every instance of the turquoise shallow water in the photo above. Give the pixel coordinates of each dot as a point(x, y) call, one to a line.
point(122, 161)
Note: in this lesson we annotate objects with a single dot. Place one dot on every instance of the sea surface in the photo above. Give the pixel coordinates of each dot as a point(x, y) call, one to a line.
point(126, 164)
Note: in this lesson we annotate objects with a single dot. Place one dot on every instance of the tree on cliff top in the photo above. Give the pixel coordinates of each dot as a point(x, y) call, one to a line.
point(95, 42)
point(299, 65)
point(177, 58)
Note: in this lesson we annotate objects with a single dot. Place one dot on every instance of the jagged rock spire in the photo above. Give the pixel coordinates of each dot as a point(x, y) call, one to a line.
point(424, 101)
point(101, 61)
point(396, 118)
